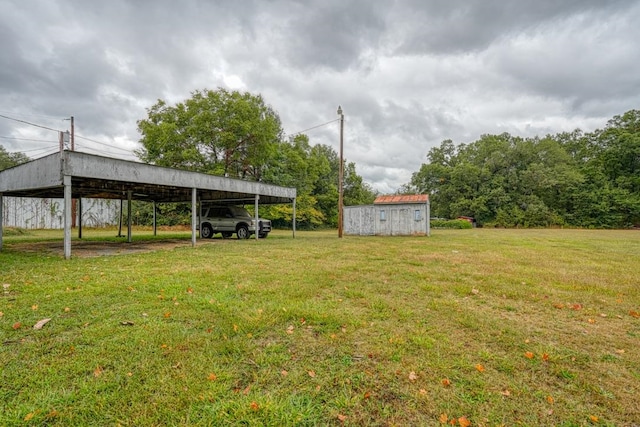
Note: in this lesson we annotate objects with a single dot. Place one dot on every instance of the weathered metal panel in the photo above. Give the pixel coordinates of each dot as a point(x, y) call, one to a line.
point(43, 173)
point(359, 220)
point(37, 213)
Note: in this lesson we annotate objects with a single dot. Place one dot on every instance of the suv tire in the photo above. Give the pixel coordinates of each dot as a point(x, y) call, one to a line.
point(242, 232)
point(206, 232)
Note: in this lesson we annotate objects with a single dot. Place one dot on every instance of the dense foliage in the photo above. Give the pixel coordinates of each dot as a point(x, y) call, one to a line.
point(238, 135)
point(574, 179)
point(8, 160)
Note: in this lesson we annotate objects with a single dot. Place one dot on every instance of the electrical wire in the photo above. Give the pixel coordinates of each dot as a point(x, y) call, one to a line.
point(314, 127)
point(28, 123)
point(102, 143)
point(28, 139)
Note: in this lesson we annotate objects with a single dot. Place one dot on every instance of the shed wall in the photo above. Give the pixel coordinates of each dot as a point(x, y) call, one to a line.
point(386, 220)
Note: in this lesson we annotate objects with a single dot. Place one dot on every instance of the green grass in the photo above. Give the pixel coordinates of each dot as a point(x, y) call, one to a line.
point(318, 330)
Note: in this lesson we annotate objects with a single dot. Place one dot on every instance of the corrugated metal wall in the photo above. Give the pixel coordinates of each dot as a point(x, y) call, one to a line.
point(386, 220)
point(35, 213)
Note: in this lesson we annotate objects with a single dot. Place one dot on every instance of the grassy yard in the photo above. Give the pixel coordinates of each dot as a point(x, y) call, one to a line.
point(469, 327)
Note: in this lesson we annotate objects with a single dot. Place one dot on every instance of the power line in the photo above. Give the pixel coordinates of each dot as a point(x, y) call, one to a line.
point(102, 143)
point(28, 139)
point(314, 127)
point(31, 115)
point(28, 123)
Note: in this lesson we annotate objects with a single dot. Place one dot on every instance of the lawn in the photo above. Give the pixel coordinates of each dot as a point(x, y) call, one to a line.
point(468, 327)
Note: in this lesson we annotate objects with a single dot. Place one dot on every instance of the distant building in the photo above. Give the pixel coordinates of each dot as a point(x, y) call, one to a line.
point(395, 215)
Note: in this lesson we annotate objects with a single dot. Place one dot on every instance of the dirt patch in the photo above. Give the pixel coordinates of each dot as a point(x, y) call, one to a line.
point(84, 249)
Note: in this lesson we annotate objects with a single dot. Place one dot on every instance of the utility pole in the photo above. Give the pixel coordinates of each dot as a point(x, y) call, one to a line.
point(73, 145)
point(340, 174)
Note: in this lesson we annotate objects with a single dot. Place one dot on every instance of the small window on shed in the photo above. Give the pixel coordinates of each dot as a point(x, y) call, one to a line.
point(417, 215)
point(383, 215)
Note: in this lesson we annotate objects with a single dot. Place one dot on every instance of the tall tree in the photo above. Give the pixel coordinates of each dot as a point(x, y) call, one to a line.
point(220, 132)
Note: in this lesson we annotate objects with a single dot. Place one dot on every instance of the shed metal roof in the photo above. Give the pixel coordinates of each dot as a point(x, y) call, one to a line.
point(401, 199)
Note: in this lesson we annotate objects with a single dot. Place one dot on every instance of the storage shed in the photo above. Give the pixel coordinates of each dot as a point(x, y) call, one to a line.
point(395, 215)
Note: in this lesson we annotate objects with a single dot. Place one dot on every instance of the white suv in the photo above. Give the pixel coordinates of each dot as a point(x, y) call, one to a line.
point(231, 219)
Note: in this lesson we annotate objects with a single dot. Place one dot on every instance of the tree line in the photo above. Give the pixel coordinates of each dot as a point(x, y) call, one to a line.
point(570, 179)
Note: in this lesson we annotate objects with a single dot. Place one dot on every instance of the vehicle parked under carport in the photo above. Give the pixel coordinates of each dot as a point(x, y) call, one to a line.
point(228, 220)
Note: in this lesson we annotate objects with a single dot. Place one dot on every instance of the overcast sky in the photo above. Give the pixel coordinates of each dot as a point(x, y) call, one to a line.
point(407, 73)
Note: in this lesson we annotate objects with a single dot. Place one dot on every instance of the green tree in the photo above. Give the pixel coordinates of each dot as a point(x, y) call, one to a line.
point(8, 160)
point(219, 132)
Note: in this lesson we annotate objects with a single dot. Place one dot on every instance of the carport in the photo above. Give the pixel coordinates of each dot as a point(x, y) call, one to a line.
point(72, 175)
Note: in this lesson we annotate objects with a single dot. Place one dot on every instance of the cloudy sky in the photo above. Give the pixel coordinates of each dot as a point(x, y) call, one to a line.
point(407, 73)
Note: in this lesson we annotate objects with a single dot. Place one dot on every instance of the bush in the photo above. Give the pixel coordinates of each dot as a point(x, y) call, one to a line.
point(451, 223)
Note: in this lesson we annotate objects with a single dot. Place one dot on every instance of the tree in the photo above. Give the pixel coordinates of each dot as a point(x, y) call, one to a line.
point(219, 132)
point(8, 160)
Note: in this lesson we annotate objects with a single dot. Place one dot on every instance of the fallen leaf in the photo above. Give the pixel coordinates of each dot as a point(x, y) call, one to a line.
point(342, 418)
point(126, 323)
point(576, 307)
point(246, 390)
point(290, 329)
point(34, 307)
point(603, 315)
point(593, 418)
point(254, 406)
point(1, 314)
point(412, 376)
point(529, 355)
point(29, 416)
point(129, 374)
point(189, 290)
point(98, 371)
point(443, 418)
point(620, 351)
point(475, 291)
point(16, 325)
point(479, 368)
point(505, 392)
point(446, 382)
point(212, 377)
point(67, 309)
point(284, 373)
point(635, 314)
point(312, 374)
point(550, 400)
point(40, 324)
point(558, 306)
point(592, 321)
point(464, 422)
point(235, 328)
point(423, 392)
point(167, 314)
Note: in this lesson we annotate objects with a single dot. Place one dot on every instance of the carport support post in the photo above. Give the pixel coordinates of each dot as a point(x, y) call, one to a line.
point(294, 218)
point(194, 215)
point(257, 216)
point(67, 216)
point(129, 194)
point(155, 226)
point(80, 218)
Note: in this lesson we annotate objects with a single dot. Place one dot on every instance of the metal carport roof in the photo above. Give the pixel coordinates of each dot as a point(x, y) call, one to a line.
point(71, 175)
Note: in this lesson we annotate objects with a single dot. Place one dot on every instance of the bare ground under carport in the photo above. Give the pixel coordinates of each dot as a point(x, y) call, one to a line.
point(86, 248)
